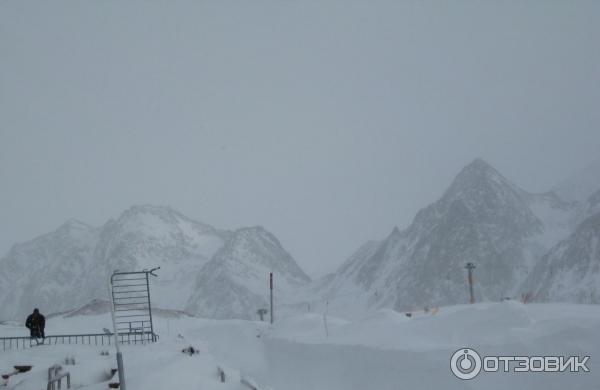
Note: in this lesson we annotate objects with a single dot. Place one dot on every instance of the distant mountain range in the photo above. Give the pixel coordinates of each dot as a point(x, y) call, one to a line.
point(521, 243)
point(543, 245)
point(204, 270)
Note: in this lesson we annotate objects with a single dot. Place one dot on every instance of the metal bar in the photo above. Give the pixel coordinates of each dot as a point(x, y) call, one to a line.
point(132, 291)
point(134, 310)
point(125, 279)
point(149, 303)
point(129, 285)
point(120, 325)
point(129, 273)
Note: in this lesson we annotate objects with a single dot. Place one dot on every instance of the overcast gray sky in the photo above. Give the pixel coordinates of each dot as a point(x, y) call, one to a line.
point(326, 122)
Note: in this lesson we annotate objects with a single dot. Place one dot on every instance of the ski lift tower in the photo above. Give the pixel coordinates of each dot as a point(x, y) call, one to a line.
point(131, 311)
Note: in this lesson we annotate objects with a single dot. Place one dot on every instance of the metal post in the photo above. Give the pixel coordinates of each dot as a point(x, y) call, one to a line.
point(271, 287)
point(149, 311)
point(120, 367)
point(470, 267)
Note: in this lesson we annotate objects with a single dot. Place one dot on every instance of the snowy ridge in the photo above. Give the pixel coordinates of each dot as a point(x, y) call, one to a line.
point(232, 284)
point(481, 218)
point(48, 271)
point(570, 272)
point(70, 267)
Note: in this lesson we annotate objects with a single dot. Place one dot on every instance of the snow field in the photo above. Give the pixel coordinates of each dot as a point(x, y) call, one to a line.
point(384, 350)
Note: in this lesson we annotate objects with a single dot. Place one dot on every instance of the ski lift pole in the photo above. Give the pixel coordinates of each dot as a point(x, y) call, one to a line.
point(120, 367)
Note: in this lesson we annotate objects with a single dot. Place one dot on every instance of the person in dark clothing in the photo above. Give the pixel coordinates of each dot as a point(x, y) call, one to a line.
point(36, 323)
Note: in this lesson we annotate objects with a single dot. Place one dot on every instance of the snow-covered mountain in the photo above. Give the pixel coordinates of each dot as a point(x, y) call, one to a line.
point(69, 267)
point(148, 236)
point(234, 283)
point(570, 272)
point(37, 273)
point(482, 218)
point(592, 206)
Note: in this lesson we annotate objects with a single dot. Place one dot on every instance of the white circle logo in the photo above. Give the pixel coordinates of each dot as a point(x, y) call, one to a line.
point(465, 363)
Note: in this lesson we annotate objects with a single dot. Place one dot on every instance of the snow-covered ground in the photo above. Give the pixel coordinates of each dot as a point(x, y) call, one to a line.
point(386, 350)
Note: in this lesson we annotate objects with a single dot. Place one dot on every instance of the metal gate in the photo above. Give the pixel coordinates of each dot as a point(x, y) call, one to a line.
point(132, 306)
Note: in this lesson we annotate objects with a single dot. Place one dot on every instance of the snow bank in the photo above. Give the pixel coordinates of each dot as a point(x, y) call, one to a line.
point(386, 350)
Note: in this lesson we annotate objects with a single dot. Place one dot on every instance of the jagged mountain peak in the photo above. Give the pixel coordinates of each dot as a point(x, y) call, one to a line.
point(151, 209)
point(156, 221)
point(72, 229)
point(75, 224)
point(481, 218)
point(480, 180)
point(163, 213)
point(479, 169)
point(479, 194)
point(235, 281)
point(395, 231)
point(254, 232)
point(479, 165)
point(256, 244)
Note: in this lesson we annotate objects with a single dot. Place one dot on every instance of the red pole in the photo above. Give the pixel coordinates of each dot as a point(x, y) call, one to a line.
point(271, 289)
point(469, 268)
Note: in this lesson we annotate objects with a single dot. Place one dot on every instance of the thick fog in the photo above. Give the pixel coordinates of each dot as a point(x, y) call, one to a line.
point(326, 122)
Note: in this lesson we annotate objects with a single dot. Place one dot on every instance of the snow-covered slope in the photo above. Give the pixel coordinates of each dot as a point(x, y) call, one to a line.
point(148, 236)
point(333, 284)
point(69, 267)
point(384, 351)
point(570, 272)
point(592, 206)
point(234, 284)
point(482, 218)
point(49, 271)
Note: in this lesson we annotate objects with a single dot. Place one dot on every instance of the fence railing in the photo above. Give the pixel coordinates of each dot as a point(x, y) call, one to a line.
point(9, 343)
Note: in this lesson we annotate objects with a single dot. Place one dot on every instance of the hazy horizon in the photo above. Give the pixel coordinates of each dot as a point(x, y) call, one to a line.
point(326, 123)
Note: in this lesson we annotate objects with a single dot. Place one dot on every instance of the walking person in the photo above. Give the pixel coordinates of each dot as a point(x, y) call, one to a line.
point(36, 323)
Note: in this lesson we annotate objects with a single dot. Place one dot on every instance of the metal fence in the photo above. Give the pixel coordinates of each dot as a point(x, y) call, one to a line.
point(9, 343)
